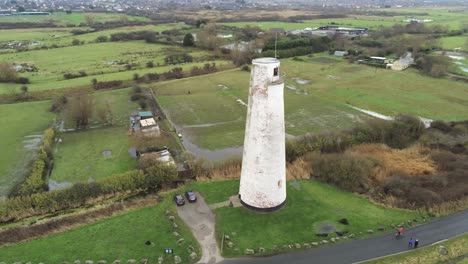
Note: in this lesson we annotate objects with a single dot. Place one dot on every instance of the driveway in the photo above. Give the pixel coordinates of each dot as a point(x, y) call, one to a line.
point(201, 220)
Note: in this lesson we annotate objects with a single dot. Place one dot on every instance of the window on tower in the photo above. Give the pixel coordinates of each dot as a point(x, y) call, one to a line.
point(275, 71)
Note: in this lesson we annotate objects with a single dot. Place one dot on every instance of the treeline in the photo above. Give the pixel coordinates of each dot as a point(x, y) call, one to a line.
point(18, 25)
point(286, 47)
point(37, 180)
point(146, 35)
point(81, 194)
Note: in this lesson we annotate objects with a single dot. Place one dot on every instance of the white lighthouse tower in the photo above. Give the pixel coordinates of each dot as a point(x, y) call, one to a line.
point(263, 176)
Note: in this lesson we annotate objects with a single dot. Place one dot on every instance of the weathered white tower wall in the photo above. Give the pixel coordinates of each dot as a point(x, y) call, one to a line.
point(263, 176)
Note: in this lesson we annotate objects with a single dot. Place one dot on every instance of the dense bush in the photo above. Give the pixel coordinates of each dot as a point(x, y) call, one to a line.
point(75, 75)
point(137, 96)
point(177, 58)
point(81, 194)
point(398, 133)
point(36, 181)
point(108, 85)
point(350, 172)
point(102, 39)
point(149, 36)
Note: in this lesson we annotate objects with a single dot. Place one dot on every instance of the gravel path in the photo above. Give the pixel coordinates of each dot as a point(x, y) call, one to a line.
point(201, 220)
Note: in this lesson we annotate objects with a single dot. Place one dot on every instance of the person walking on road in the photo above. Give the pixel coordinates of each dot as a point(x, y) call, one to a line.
point(416, 243)
point(400, 231)
point(411, 242)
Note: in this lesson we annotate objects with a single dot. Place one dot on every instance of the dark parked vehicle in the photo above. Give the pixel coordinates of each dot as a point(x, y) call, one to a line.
point(191, 197)
point(179, 200)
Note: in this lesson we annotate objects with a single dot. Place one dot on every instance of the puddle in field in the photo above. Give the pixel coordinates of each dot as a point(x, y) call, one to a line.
point(53, 185)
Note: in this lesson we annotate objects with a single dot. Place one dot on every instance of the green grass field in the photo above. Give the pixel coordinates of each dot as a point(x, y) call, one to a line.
point(79, 156)
point(120, 237)
point(64, 37)
point(309, 204)
point(19, 122)
point(62, 19)
point(451, 43)
point(444, 17)
point(96, 60)
point(213, 119)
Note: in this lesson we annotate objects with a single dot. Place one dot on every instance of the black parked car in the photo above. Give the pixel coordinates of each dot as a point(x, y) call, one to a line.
point(191, 197)
point(179, 200)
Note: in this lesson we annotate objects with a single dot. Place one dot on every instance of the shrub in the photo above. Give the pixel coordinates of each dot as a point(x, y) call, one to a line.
point(108, 85)
point(75, 75)
point(102, 39)
point(137, 96)
point(245, 67)
point(143, 103)
point(76, 42)
point(34, 182)
point(348, 171)
point(136, 89)
point(150, 64)
point(159, 174)
point(22, 80)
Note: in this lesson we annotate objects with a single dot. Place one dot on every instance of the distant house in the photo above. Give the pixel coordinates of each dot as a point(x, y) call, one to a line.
point(242, 46)
point(149, 126)
point(402, 63)
point(163, 156)
point(340, 53)
point(380, 60)
point(145, 115)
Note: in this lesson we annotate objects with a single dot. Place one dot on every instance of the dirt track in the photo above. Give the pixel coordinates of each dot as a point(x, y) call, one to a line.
point(201, 220)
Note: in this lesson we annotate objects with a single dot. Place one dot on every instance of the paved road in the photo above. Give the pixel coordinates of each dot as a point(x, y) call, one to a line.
point(360, 250)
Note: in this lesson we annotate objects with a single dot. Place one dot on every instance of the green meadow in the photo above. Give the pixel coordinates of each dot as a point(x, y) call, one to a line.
point(79, 156)
point(62, 18)
point(212, 117)
point(451, 43)
point(310, 204)
point(22, 125)
point(443, 16)
point(64, 37)
point(98, 60)
point(121, 237)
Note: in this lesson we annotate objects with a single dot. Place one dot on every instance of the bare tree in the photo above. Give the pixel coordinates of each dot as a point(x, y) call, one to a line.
point(7, 73)
point(80, 108)
point(207, 38)
point(89, 19)
point(105, 115)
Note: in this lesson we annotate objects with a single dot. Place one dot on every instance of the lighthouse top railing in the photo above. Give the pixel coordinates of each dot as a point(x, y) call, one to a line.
point(281, 79)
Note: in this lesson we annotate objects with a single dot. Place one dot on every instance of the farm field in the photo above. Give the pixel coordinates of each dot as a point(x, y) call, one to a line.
point(80, 154)
point(63, 19)
point(444, 17)
point(212, 117)
point(451, 43)
point(64, 37)
point(309, 206)
point(120, 237)
point(22, 126)
point(97, 60)
point(80, 157)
